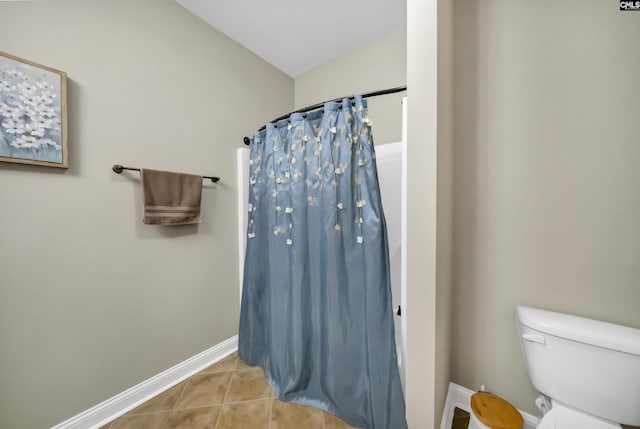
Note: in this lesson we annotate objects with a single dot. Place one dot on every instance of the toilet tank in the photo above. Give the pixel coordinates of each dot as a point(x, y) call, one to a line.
point(585, 364)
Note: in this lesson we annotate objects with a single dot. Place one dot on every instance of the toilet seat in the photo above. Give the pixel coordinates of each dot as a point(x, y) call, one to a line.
point(489, 411)
point(560, 417)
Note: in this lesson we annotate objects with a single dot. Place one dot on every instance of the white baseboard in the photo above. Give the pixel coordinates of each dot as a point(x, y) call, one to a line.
point(123, 402)
point(460, 397)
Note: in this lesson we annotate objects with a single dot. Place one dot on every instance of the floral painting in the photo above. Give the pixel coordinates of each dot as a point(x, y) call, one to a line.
point(32, 113)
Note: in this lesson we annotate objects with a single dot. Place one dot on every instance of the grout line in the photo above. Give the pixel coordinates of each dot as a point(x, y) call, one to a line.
point(204, 371)
point(213, 372)
point(184, 388)
point(235, 365)
point(215, 424)
point(217, 419)
point(181, 393)
point(322, 417)
point(248, 400)
point(130, 413)
point(250, 368)
point(225, 398)
point(127, 416)
point(211, 405)
point(145, 413)
point(166, 419)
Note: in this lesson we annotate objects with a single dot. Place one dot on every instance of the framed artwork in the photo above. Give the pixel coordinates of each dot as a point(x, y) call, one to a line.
point(33, 113)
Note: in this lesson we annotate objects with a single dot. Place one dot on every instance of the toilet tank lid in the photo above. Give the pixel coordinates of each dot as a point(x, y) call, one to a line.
point(600, 334)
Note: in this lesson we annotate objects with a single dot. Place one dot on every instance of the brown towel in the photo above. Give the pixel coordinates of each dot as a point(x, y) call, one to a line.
point(171, 198)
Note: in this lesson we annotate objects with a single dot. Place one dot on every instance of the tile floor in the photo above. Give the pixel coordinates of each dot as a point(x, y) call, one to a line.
point(227, 395)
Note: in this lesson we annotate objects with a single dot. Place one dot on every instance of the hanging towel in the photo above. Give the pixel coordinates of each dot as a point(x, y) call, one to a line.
point(171, 198)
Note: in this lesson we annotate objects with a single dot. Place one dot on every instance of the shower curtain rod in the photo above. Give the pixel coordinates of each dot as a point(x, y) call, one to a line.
point(247, 140)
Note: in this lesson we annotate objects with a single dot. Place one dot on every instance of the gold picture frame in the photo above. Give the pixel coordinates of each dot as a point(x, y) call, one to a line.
point(33, 113)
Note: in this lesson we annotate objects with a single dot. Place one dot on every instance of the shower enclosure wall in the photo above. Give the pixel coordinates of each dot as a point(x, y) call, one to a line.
point(391, 163)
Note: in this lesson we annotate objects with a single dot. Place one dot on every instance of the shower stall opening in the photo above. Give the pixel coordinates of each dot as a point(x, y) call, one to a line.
point(391, 167)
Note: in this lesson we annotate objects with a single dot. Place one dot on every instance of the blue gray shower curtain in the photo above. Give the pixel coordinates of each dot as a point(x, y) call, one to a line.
point(316, 301)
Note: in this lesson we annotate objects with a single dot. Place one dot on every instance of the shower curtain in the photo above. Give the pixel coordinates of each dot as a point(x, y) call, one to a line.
point(316, 301)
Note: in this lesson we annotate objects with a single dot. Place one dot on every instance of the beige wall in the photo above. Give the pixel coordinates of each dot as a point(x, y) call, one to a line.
point(430, 207)
point(422, 116)
point(379, 65)
point(444, 238)
point(91, 300)
point(546, 176)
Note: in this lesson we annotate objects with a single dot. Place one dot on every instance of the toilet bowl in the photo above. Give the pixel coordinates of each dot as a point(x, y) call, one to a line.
point(590, 370)
point(563, 417)
point(474, 423)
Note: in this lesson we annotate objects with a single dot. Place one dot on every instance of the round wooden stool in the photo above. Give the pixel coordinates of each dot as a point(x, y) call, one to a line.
point(489, 411)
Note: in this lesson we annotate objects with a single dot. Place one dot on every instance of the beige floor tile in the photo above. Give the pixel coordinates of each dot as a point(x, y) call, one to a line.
point(140, 421)
point(194, 418)
point(293, 416)
point(163, 402)
point(226, 364)
point(248, 384)
point(245, 415)
point(204, 390)
point(334, 422)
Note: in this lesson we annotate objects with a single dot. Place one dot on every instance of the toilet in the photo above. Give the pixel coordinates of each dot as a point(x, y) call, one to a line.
point(587, 372)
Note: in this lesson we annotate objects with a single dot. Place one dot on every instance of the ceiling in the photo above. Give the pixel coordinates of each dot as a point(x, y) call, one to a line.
point(299, 35)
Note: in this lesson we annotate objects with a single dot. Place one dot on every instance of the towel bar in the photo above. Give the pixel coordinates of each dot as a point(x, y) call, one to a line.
point(119, 168)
